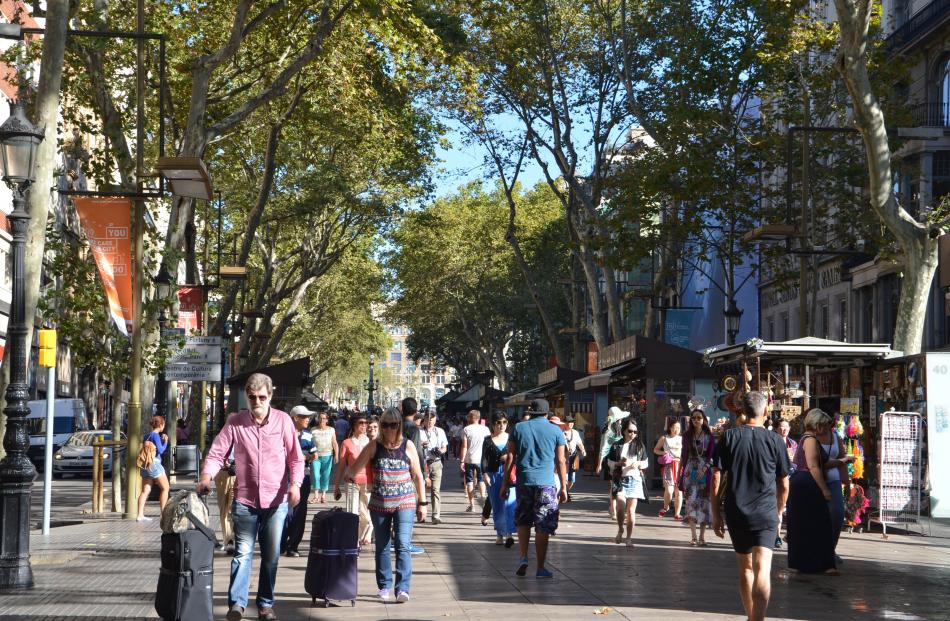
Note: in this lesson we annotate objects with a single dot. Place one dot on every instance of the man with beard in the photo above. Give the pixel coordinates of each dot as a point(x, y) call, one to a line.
point(269, 469)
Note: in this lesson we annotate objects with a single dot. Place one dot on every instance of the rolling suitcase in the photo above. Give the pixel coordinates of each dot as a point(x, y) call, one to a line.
point(334, 552)
point(185, 590)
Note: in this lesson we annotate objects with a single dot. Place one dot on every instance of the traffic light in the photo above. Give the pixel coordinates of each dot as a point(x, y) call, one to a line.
point(47, 356)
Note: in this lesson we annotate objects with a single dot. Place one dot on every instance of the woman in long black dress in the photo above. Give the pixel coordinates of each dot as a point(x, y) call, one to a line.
point(810, 536)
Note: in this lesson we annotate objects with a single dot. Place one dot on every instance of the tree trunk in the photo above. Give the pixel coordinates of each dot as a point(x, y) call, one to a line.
point(918, 251)
point(45, 115)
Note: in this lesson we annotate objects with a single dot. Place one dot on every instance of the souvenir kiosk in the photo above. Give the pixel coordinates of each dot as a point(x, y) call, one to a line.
point(648, 378)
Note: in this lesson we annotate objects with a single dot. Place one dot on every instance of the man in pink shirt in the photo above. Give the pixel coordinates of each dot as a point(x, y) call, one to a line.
point(269, 471)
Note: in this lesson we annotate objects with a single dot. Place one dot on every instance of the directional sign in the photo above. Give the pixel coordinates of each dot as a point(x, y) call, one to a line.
point(197, 349)
point(193, 372)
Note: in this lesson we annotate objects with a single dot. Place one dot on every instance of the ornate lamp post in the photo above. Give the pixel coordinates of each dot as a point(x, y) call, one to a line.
point(19, 139)
point(163, 282)
point(733, 315)
point(371, 385)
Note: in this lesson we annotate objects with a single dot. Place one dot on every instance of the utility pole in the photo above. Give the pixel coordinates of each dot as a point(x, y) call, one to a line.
point(803, 273)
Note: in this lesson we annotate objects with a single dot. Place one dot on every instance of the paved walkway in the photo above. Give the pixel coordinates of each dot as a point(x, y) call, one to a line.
point(107, 569)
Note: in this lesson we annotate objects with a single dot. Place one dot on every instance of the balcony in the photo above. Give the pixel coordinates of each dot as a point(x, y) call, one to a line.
point(919, 27)
point(932, 114)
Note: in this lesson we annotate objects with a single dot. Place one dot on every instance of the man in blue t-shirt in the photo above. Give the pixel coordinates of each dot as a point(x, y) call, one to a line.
point(536, 446)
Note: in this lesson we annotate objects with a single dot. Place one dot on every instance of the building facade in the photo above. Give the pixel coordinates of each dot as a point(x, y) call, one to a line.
point(402, 377)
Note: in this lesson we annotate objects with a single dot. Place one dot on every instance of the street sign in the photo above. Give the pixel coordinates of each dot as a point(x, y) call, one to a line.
point(197, 349)
point(193, 372)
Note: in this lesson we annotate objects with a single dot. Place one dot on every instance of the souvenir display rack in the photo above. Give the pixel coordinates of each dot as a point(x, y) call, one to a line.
point(899, 487)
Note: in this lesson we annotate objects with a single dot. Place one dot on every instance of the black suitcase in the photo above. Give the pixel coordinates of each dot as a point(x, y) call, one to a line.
point(185, 591)
point(332, 561)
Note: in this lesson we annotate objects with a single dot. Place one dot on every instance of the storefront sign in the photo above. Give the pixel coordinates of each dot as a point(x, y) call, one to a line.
point(548, 376)
point(872, 410)
point(190, 304)
point(850, 405)
point(791, 411)
point(619, 352)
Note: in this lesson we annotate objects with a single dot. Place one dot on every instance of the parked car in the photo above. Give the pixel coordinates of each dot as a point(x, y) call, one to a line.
point(75, 456)
point(69, 417)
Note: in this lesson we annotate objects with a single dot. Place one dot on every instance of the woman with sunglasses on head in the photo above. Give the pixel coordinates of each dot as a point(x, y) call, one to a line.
point(494, 460)
point(627, 459)
point(696, 475)
point(357, 492)
point(397, 498)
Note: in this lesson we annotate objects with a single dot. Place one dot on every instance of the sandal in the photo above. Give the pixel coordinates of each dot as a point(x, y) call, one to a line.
point(693, 543)
point(663, 512)
point(619, 537)
point(702, 543)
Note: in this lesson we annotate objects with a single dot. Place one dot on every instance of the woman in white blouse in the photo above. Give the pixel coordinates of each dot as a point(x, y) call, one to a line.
point(669, 448)
point(627, 460)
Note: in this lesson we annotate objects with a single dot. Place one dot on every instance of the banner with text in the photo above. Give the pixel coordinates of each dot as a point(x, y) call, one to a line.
point(107, 223)
point(190, 302)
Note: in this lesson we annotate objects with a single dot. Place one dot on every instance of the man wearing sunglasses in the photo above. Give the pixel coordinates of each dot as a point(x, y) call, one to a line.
point(269, 470)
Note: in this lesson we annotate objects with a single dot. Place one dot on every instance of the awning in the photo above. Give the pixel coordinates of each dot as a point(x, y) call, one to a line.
point(809, 350)
point(603, 378)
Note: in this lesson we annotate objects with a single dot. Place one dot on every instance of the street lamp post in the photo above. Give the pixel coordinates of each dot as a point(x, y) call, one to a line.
point(163, 282)
point(733, 315)
point(19, 138)
point(371, 386)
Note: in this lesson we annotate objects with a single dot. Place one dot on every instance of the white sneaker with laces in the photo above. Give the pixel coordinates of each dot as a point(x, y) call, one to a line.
point(402, 597)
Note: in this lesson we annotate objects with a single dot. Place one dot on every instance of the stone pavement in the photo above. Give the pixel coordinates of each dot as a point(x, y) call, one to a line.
point(107, 569)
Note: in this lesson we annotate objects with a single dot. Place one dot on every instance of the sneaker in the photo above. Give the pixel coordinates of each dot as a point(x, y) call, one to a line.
point(543, 573)
point(509, 542)
point(436, 520)
point(143, 519)
point(293, 553)
point(402, 597)
point(384, 595)
point(522, 567)
point(266, 614)
point(236, 613)
point(778, 543)
point(499, 540)
point(416, 550)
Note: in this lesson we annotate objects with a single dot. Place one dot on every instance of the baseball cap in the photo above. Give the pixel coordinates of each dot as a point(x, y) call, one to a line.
point(301, 410)
point(539, 406)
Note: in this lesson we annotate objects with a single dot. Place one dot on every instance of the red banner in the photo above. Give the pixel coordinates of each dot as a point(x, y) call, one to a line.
point(190, 302)
point(107, 223)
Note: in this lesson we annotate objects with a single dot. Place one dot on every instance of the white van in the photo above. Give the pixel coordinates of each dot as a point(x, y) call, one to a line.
point(69, 416)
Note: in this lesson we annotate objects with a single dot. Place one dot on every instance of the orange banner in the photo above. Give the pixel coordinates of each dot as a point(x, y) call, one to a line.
point(190, 302)
point(107, 223)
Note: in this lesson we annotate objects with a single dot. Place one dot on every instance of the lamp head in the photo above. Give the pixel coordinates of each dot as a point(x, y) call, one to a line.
point(19, 140)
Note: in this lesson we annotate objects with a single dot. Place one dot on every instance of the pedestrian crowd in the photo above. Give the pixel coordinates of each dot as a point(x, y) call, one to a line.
point(268, 465)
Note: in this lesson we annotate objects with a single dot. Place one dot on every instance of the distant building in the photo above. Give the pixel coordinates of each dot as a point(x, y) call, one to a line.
point(403, 377)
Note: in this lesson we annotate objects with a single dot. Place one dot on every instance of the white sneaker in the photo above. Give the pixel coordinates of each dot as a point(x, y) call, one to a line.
point(436, 520)
point(143, 519)
point(402, 597)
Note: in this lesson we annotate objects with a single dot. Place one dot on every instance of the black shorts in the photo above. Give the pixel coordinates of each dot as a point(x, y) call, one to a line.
point(743, 539)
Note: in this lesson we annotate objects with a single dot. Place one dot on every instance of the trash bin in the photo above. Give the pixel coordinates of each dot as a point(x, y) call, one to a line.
point(187, 459)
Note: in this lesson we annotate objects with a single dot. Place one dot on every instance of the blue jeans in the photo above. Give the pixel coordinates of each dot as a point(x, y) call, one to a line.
point(250, 524)
point(383, 525)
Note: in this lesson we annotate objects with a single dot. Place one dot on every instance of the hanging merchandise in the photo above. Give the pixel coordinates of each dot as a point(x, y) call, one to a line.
point(851, 432)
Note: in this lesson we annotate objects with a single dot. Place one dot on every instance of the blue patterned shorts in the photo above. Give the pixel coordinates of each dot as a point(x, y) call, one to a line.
point(537, 506)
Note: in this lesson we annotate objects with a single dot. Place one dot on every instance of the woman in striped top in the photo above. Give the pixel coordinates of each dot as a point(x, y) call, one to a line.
point(396, 499)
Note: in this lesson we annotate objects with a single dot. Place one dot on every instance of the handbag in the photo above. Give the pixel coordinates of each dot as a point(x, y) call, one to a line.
point(665, 459)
